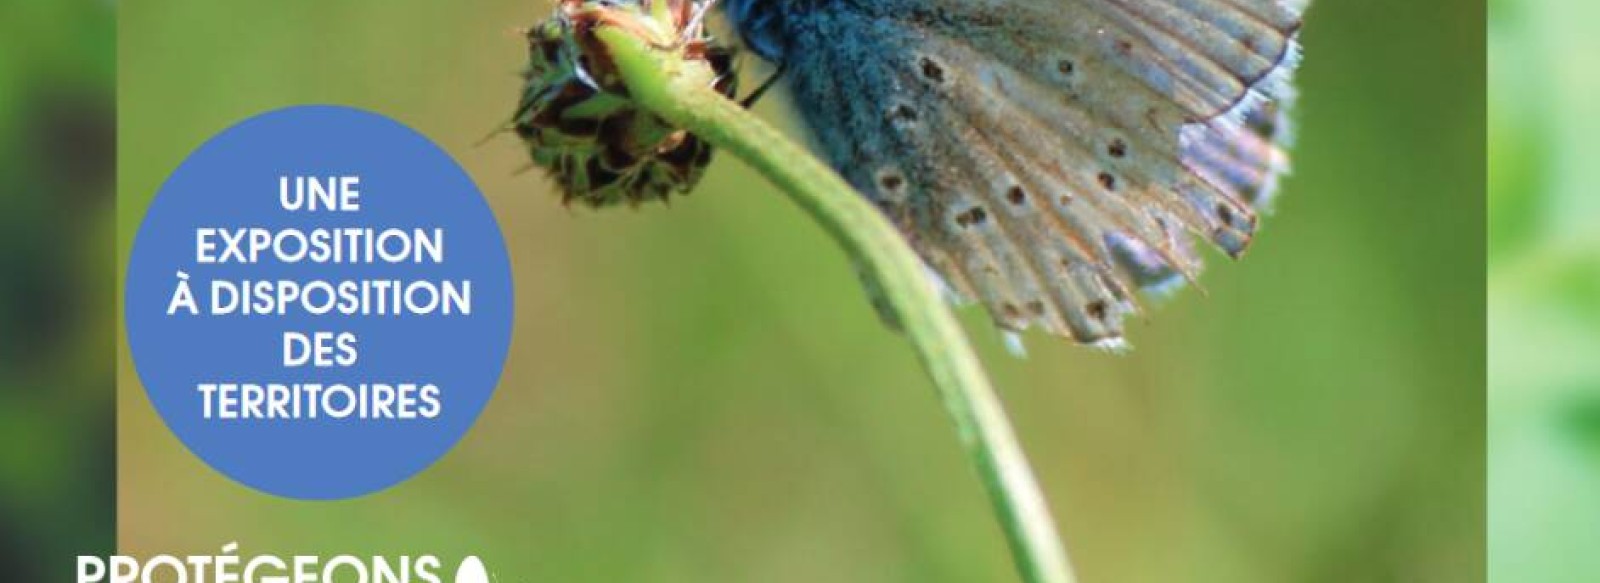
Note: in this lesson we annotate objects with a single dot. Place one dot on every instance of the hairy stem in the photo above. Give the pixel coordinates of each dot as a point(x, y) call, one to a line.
point(679, 92)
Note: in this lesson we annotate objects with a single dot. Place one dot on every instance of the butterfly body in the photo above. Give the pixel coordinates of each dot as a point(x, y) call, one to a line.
point(1046, 157)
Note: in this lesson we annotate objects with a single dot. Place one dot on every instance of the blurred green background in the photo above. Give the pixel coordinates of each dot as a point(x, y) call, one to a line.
point(702, 393)
point(1544, 289)
point(57, 329)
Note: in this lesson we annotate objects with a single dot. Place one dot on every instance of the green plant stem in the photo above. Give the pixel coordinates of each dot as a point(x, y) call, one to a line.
point(678, 92)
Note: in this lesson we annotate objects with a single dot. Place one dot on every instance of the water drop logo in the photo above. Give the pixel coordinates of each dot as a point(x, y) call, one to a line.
point(472, 571)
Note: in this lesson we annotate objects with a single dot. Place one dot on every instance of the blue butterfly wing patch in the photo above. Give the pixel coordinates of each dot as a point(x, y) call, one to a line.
point(1049, 158)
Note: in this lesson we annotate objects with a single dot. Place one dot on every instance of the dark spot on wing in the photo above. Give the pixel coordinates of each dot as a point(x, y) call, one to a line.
point(973, 216)
point(1108, 181)
point(932, 70)
point(891, 181)
point(903, 115)
point(1118, 148)
point(1016, 195)
point(1098, 310)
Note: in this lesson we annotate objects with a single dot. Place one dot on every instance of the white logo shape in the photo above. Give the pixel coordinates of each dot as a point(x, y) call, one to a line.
point(472, 571)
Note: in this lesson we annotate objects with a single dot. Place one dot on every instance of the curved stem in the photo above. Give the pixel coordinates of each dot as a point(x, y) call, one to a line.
point(679, 93)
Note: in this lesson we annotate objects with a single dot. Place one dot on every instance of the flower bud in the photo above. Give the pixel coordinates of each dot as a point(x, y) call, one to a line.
point(577, 118)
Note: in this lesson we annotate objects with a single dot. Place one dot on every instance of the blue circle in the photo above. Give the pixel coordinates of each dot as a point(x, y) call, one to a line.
point(302, 447)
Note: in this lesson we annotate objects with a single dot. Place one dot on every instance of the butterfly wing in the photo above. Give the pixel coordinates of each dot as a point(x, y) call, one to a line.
point(1048, 157)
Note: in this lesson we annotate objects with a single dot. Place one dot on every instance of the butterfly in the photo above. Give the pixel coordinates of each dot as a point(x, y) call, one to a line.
point(1049, 158)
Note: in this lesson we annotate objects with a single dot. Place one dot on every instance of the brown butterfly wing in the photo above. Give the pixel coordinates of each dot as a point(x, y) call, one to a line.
point(1050, 157)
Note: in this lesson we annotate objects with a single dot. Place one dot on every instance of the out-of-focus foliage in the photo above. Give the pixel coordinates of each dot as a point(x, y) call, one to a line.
point(1544, 282)
point(702, 392)
point(56, 423)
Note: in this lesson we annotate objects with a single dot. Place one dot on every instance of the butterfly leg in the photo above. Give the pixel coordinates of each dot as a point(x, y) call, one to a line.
point(765, 85)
